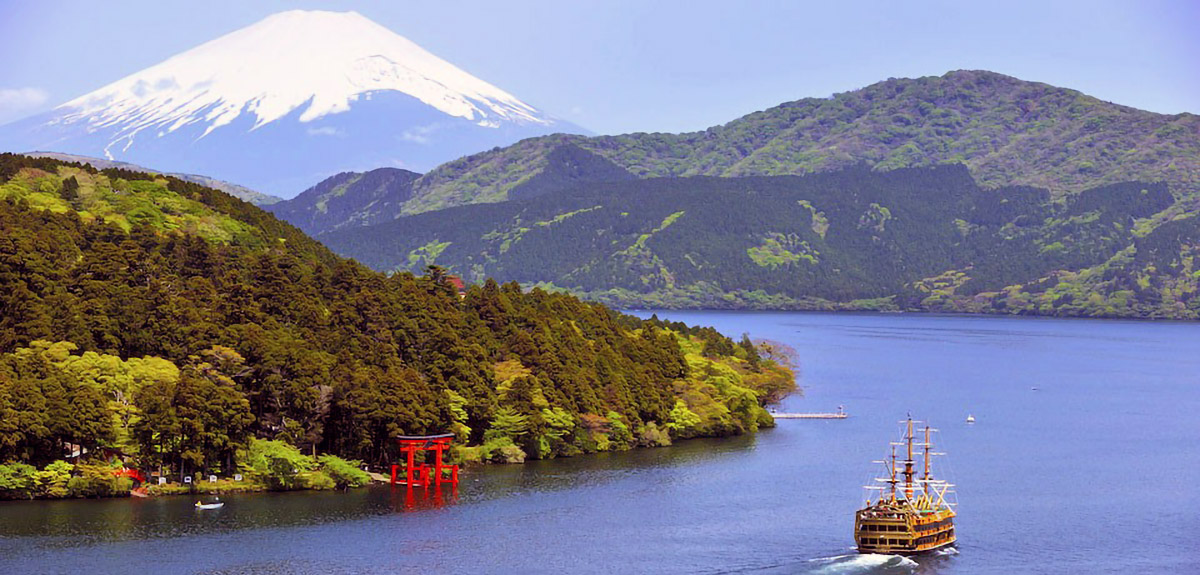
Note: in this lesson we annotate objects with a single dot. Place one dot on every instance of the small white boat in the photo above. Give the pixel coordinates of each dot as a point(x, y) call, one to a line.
point(970, 418)
point(216, 505)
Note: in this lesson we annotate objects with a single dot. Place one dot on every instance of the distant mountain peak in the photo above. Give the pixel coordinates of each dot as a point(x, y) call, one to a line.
point(316, 61)
point(283, 101)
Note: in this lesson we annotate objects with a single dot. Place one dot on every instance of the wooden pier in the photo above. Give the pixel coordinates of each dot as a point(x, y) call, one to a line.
point(841, 414)
point(809, 415)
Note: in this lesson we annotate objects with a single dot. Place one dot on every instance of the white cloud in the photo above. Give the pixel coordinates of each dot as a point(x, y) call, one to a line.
point(16, 102)
point(420, 134)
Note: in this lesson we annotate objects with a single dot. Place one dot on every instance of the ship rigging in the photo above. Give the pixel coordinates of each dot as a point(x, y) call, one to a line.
point(907, 511)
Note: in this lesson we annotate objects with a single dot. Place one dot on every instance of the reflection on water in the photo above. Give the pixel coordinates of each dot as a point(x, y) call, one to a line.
point(1038, 475)
point(422, 499)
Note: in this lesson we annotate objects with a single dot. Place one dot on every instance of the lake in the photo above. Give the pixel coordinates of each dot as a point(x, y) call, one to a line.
point(1083, 459)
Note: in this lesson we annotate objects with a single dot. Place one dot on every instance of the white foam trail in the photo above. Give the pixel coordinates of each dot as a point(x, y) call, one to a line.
point(863, 563)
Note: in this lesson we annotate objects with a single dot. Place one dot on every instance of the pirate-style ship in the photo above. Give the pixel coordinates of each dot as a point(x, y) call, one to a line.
point(906, 514)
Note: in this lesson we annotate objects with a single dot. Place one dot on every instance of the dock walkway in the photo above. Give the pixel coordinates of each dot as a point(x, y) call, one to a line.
point(842, 415)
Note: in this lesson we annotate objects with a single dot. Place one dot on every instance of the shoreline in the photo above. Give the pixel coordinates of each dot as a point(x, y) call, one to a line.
point(638, 312)
point(376, 478)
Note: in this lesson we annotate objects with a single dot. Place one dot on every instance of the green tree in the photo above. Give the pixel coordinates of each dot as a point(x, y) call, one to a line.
point(70, 191)
point(278, 464)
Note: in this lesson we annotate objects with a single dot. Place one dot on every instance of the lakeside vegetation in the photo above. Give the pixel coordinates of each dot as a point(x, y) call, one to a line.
point(265, 466)
point(181, 327)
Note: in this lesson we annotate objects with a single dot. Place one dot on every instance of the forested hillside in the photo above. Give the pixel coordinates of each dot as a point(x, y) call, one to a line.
point(175, 323)
point(235, 190)
point(907, 239)
point(348, 199)
point(1007, 131)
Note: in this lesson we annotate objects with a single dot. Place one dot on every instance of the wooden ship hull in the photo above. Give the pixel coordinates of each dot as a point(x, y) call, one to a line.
point(903, 534)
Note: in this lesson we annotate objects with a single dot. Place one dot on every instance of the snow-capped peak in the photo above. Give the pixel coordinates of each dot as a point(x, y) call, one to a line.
point(316, 61)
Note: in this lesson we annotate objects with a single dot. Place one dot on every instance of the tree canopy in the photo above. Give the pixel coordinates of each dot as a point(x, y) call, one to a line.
point(183, 333)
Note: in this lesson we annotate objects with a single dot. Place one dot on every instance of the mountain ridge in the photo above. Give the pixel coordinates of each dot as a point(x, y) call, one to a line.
point(1008, 131)
point(348, 199)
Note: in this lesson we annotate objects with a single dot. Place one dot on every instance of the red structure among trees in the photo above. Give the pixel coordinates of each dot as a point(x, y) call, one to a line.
point(416, 472)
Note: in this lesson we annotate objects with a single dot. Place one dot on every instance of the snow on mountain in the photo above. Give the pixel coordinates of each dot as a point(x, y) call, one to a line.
point(283, 102)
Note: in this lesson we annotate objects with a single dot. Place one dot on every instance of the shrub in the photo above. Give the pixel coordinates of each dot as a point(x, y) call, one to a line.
point(619, 435)
point(169, 489)
point(277, 464)
point(17, 481)
point(228, 486)
point(496, 450)
point(682, 420)
point(318, 480)
point(344, 473)
point(508, 454)
point(652, 436)
point(52, 481)
point(97, 481)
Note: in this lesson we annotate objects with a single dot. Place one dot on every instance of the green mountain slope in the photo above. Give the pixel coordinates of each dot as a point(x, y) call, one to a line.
point(240, 192)
point(175, 323)
point(1007, 131)
point(348, 199)
point(918, 238)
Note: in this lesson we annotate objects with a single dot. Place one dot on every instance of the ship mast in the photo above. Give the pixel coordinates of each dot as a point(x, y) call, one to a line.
point(908, 462)
point(925, 477)
point(892, 479)
point(933, 491)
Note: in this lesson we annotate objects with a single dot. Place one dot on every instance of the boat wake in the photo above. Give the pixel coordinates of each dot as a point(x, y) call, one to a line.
point(863, 563)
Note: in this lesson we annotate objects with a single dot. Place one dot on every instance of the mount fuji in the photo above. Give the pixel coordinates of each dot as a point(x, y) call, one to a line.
point(287, 101)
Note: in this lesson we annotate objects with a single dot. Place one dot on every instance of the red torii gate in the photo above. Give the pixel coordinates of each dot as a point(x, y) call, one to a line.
point(419, 473)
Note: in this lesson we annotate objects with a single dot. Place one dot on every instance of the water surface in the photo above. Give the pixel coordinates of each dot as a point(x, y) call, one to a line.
point(1083, 460)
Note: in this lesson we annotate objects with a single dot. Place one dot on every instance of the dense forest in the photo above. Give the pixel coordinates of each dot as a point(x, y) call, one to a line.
point(348, 199)
point(907, 239)
point(178, 325)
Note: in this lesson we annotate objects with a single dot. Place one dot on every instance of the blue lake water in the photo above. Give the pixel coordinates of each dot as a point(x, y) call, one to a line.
point(1094, 471)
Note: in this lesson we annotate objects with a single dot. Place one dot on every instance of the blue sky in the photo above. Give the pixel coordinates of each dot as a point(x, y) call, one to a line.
point(617, 66)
